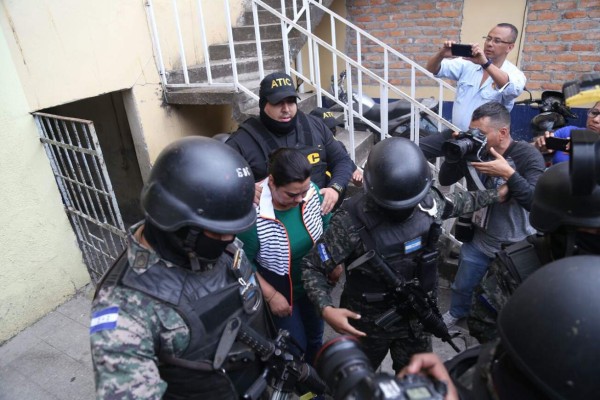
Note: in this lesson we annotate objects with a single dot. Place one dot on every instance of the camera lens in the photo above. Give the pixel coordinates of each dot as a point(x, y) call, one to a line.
point(343, 365)
point(455, 150)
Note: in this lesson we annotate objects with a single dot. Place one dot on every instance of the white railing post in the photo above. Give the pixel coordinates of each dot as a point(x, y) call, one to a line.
point(350, 111)
point(204, 42)
point(317, 75)
point(383, 102)
point(261, 69)
point(186, 78)
point(333, 57)
point(286, 45)
point(231, 44)
point(156, 43)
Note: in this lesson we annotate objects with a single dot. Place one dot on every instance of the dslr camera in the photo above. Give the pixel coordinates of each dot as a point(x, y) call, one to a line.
point(346, 370)
point(468, 146)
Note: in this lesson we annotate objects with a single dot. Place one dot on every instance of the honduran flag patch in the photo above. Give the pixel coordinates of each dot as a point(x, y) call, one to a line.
point(104, 319)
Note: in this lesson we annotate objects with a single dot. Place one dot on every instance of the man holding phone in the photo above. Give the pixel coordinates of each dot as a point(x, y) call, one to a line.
point(481, 76)
point(557, 142)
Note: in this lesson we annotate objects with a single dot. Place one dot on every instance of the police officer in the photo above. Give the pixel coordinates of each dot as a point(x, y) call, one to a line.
point(281, 124)
point(160, 311)
point(570, 225)
point(399, 216)
point(548, 346)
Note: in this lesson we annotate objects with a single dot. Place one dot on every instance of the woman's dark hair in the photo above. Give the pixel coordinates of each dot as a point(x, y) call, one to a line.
point(288, 165)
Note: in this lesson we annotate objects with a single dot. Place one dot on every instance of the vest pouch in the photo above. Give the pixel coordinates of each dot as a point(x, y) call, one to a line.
point(427, 270)
point(464, 229)
point(187, 384)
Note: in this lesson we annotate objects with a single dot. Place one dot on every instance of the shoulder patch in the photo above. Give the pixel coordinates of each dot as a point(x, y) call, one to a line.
point(104, 319)
point(323, 252)
point(412, 245)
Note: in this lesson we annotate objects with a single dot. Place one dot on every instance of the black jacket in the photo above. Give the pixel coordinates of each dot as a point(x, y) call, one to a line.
point(256, 149)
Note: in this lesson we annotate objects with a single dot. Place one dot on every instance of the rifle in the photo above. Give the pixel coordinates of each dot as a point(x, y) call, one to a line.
point(284, 371)
point(414, 297)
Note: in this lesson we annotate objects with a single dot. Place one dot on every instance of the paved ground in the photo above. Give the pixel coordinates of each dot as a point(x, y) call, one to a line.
point(51, 359)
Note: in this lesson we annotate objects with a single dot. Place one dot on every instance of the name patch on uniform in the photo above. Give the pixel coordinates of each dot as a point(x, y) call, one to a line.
point(412, 245)
point(323, 252)
point(104, 319)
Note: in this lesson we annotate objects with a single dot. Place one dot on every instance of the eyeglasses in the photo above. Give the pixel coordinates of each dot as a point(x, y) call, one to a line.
point(495, 40)
point(593, 113)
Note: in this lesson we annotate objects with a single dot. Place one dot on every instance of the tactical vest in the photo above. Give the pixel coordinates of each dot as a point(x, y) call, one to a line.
point(525, 257)
point(402, 245)
point(315, 153)
point(206, 301)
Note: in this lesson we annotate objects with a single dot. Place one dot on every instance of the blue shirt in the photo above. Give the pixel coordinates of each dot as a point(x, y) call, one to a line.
point(470, 94)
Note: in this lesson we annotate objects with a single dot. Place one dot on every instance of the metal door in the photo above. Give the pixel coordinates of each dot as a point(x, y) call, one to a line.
point(80, 171)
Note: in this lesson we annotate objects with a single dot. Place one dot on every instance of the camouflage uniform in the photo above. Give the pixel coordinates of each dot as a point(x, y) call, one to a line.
point(131, 332)
point(342, 243)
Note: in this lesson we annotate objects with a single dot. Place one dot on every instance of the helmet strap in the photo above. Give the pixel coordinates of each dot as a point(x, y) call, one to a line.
point(189, 246)
point(571, 245)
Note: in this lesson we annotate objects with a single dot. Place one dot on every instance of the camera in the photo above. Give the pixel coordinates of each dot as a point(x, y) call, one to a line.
point(584, 163)
point(347, 371)
point(469, 146)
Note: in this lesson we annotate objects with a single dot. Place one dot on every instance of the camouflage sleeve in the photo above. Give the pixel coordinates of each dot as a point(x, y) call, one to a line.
point(461, 202)
point(488, 299)
point(125, 329)
point(333, 248)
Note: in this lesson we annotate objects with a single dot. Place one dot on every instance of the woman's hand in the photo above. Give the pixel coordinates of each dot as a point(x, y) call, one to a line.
point(279, 305)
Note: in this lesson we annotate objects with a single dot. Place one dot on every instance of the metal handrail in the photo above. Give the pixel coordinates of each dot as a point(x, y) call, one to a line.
point(313, 78)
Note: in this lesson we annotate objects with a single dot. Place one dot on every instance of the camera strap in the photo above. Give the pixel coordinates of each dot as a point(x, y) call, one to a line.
point(474, 176)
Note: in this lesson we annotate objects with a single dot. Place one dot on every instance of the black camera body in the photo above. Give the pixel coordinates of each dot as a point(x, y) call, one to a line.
point(468, 146)
point(347, 371)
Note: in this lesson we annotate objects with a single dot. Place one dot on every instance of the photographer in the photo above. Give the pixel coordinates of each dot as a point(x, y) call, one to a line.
point(570, 225)
point(515, 163)
point(486, 76)
point(548, 348)
point(592, 124)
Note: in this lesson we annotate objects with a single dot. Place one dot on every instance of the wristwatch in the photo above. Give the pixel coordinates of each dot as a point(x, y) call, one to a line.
point(487, 64)
point(337, 187)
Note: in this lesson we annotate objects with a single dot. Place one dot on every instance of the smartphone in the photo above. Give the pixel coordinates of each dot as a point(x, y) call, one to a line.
point(461, 50)
point(555, 143)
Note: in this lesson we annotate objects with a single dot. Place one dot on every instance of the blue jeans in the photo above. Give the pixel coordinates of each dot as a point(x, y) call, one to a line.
point(305, 325)
point(472, 266)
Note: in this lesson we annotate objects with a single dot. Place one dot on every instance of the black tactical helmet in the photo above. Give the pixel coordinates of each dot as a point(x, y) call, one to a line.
point(397, 175)
point(200, 182)
point(554, 205)
point(551, 325)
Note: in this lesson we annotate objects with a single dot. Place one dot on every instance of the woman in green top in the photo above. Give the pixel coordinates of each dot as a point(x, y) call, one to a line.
point(289, 222)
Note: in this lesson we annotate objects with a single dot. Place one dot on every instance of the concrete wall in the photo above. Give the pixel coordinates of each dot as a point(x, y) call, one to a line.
point(40, 263)
point(55, 52)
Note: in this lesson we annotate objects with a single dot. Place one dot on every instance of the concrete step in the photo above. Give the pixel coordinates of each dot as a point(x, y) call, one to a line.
point(223, 69)
point(267, 31)
point(266, 17)
point(363, 142)
point(272, 47)
point(214, 95)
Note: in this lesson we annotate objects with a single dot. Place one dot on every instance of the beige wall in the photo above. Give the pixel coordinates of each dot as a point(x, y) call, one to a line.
point(215, 28)
point(55, 52)
point(40, 262)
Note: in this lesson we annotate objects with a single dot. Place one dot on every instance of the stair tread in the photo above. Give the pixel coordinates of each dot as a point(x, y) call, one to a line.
point(219, 62)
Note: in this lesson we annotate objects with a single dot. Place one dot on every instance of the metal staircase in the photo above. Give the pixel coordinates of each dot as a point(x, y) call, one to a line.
point(268, 36)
